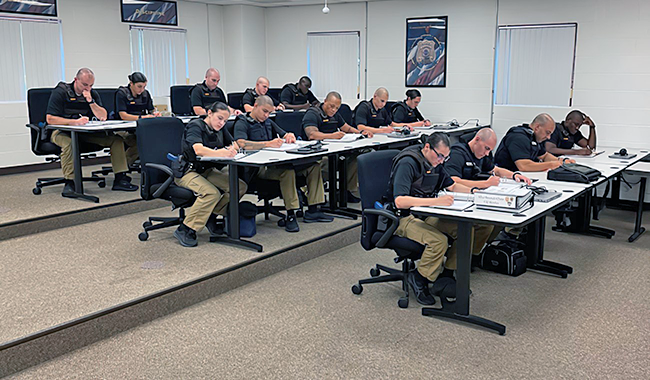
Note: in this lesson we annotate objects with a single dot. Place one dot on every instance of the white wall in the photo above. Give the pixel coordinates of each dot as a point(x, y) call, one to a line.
point(95, 37)
point(286, 38)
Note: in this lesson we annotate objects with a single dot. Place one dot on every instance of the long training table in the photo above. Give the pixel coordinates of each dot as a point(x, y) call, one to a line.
point(642, 169)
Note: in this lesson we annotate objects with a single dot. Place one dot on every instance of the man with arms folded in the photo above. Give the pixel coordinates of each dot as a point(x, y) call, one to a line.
point(323, 122)
point(256, 131)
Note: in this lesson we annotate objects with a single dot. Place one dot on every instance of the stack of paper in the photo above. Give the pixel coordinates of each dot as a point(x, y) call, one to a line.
point(349, 137)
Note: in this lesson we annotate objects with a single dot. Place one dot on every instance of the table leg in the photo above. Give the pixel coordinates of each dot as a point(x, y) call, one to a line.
point(78, 174)
point(638, 229)
point(460, 309)
point(535, 251)
point(333, 207)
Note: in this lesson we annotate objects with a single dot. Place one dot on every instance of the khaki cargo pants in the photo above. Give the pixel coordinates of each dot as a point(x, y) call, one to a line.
point(287, 178)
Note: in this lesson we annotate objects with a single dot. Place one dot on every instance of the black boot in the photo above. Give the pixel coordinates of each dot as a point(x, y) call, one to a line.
point(420, 286)
point(186, 236)
point(68, 188)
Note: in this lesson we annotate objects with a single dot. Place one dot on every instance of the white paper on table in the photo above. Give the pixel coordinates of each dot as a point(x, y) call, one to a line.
point(236, 157)
point(349, 137)
point(457, 205)
point(296, 145)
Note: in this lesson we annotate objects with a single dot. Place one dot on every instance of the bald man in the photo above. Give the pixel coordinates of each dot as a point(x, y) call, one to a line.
point(204, 94)
point(373, 116)
point(75, 104)
point(522, 148)
point(261, 88)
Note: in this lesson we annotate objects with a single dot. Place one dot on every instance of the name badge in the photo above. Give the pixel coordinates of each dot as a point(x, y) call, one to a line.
point(534, 143)
point(410, 113)
point(132, 103)
point(207, 94)
point(71, 99)
point(469, 164)
point(374, 115)
point(566, 138)
point(326, 120)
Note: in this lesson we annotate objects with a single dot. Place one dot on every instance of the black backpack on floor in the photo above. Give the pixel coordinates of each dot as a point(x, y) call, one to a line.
point(505, 257)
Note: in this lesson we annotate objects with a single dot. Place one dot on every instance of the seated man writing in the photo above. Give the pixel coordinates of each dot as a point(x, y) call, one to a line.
point(567, 134)
point(373, 116)
point(256, 131)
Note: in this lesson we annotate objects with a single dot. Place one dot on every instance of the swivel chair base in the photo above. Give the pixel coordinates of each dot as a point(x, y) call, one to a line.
point(392, 276)
point(50, 181)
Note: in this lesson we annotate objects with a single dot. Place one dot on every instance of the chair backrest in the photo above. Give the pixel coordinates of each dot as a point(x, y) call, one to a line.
point(179, 97)
point(37, 99)
point(374, 175)
point(274, 93)
point(108, 100)
point(346, 112)
point(389, 106)
point(234, 100)
point(468, 136)
point(156, 137)
point(291, 122)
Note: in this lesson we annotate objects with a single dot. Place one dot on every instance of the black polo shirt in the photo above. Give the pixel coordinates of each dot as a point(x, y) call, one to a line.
point(463, 163)
point(292, 95)
point(202, 96)
point(404, 114)
point(64, 102)
point(407, 172)
point(316, 117)
point(250, 96)
point(198, 132)
point(563, 139)
point(250, 129)
point(136, 105)
point(518, 144)
point(367, 115)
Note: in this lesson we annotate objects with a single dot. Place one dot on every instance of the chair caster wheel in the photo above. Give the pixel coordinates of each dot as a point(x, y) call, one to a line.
point(357, 289)
point(282, 223)
point(374, 272)
point(143, 236)
point(403, 303)
point(146, 224)
point(37, 190)
point(101, 184)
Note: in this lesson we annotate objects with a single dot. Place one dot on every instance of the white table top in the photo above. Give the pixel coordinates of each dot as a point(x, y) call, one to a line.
point(639, 168)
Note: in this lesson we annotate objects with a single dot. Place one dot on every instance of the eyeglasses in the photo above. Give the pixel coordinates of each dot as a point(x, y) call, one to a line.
point(441, 157)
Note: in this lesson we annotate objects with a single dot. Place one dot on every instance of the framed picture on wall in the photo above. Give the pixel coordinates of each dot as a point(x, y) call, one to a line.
point(426, 52)
point(41, 7)
point(159, 12)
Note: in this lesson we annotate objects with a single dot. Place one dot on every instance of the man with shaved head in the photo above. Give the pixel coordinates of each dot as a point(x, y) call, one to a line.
point(261, 88)
point(203, 95)
point(298, 96)
point(75, 104)
point(522, 148)
point(256, 131)
point(567, 134)
point(373, 116)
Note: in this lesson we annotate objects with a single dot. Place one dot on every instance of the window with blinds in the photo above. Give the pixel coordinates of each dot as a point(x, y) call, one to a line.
point(333, 63)
point(32, 56)
point(161, 55)
point(535, 64)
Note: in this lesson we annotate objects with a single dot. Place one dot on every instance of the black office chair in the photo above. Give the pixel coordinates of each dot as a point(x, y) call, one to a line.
point(389, 106)
point(179, 96)
point(108, 101)
point(274, 93)
point(291, 122)
point(156, 138)
point(235, 100)
point(346, 113)
point(37, 100)
point(374, 176)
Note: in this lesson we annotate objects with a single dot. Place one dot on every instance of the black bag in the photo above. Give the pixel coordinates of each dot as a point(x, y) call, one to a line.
point(574, 173)
point(505, 257)
point(247, 214)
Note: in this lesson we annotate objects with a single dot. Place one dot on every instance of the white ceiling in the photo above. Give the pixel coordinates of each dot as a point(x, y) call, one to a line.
point(276, 3)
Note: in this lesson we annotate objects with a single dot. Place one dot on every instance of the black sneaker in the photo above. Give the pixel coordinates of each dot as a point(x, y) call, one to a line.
point(420, 288)
point(68, 189)
point(215, 227)
point(503, 235)
point(123, 185)
point(316, 216)
point(352, 198)
point(291, 224)
point(445, 288)
point(186, 236)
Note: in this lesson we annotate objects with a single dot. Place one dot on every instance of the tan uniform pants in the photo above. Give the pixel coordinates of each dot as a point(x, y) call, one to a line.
point(212, 196)
point(435, 244)
point(116, 143)
point(132, 146)
point(480, 235)
point(352, 177)
point(287, 178)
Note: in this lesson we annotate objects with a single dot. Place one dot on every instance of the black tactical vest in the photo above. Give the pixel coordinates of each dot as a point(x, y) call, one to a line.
point(412, 115)
point(208, 97)
point(256, 131)
point(135, 106)
point(74, 106)
point(328, 124)
point(375, 117)
point(470, 171)
point(297, 97)
point(427, 183)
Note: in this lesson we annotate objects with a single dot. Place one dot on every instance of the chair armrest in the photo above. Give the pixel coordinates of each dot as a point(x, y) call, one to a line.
point(393, 222)
point(167, 182)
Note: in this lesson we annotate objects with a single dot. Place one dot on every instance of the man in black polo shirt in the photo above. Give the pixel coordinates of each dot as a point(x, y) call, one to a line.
point(373, 116)
point(567, 134)
point(261, 88)
point(74, 104)
point(298, 96)
point(522, 148)
point(202, 95)
point(417, 175)
point(324, 122)
point(469, 163)
point(256, 131)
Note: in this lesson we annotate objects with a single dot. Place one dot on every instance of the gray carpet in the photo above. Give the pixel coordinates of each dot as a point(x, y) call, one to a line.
point(305, 323)
point(56, 276)
point(19, 203)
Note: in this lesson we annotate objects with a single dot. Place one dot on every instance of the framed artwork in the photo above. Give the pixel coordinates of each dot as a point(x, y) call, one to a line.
point(31, 7)
point(426, 52)
point(159, 12)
